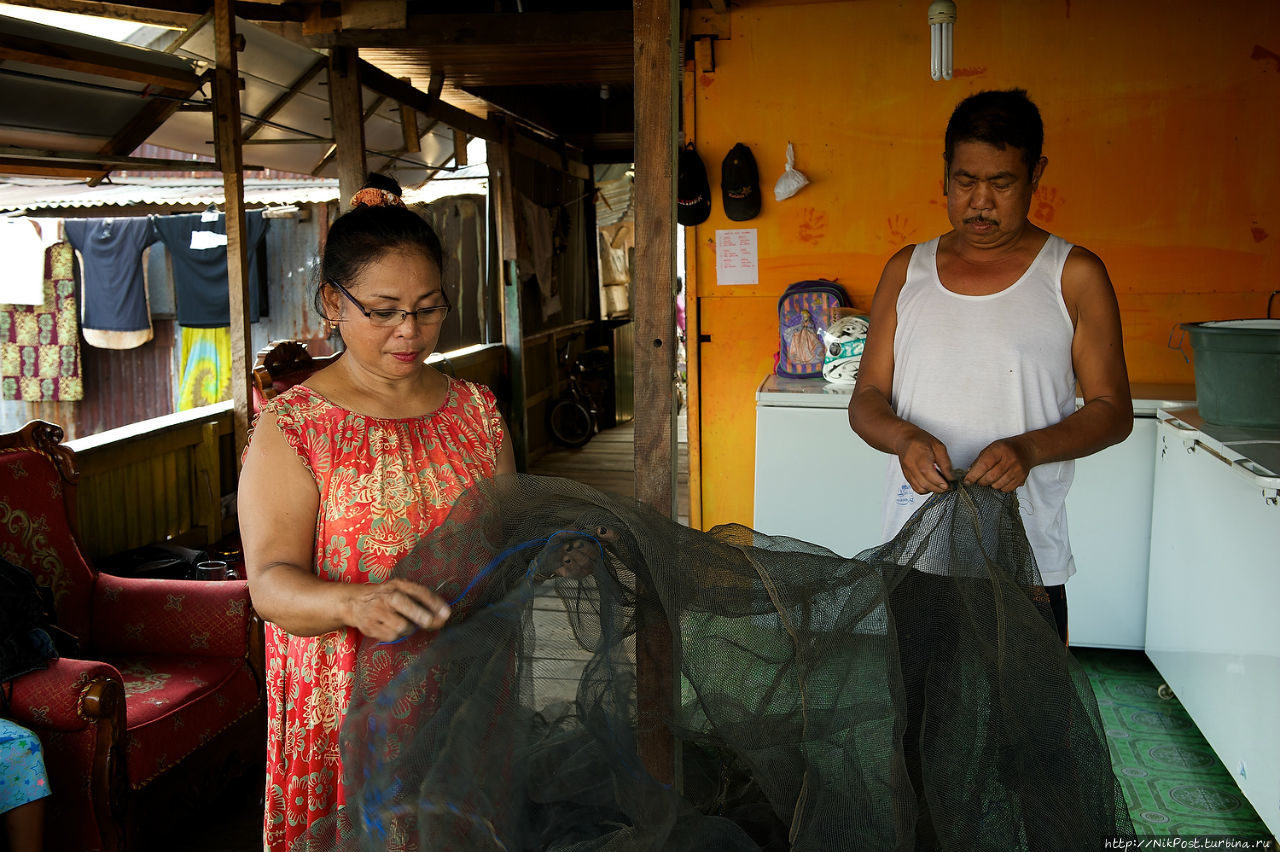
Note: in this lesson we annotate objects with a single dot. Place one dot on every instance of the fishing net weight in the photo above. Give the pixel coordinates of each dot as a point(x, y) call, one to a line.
point(914, 697)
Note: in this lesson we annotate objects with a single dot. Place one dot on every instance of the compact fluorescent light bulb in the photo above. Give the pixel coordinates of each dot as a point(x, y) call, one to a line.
point(942, 16)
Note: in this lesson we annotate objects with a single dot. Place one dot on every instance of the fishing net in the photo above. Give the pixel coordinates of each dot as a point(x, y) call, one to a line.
point(914, 697)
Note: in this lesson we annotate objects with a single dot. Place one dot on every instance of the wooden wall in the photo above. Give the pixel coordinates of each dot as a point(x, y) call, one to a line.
point(1162, 130)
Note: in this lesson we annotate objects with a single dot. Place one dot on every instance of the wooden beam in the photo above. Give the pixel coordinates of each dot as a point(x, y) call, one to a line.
point(656, 57)
point(150, 117)
point(346, 117)
point(709, 20)
point(493, 29)
point(189, 32)
point(12, 166)
point(115, 11)
point(459, 148)
point(333, 149)
point(434, 86)
point(373, 14)
point(409, 124)
point(285, 97)
point(226, 93)
point(174, 14)
point(502, 195)
point(377, 80)
point(136, 69)
point(704, 52)
point(535, 150)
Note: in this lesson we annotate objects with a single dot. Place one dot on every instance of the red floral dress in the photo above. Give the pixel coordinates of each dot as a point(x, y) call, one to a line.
point(384, 484)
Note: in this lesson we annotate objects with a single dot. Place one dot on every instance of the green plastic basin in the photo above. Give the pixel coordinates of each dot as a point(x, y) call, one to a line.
point(1237, 365)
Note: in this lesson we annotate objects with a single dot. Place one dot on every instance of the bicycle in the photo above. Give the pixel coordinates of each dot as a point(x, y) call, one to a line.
point(573, 419)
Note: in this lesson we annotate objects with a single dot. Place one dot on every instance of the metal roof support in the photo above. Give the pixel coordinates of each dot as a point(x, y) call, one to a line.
point(226, 93)
point(656, 57)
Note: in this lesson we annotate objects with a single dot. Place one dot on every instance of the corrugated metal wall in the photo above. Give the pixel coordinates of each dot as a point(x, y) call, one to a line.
point(126, 386)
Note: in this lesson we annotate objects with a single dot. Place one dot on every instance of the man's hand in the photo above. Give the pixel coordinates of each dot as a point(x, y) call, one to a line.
point(925, 463)
point(1003, 465)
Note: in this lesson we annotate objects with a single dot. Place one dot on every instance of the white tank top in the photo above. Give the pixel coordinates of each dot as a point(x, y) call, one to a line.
point(972, 369)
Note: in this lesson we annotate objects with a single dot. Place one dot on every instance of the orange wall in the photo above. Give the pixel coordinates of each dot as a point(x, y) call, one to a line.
point(1162, 130)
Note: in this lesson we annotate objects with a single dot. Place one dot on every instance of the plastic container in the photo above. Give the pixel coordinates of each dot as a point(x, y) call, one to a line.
point(1237, 364)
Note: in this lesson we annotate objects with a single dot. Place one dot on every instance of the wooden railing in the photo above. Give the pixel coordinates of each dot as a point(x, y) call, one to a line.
point(167, 479)
point(155, 481)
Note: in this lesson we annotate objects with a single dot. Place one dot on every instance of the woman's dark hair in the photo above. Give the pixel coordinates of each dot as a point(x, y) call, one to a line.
point(999, 118)
point(362, 235)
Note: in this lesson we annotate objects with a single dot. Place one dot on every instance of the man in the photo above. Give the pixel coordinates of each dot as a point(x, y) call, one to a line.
point(979, 337)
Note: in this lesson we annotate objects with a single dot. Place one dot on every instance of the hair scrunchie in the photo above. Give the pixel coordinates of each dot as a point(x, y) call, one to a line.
point(373, 197)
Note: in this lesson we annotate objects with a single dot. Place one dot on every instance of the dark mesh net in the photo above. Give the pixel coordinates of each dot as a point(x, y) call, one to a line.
point(915, 697)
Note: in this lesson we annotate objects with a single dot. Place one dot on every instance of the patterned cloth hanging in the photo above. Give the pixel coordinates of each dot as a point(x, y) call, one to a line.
point(39, 344)
point(206, 367)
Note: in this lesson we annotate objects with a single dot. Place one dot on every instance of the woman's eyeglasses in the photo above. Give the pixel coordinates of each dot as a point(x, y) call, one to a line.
point(389, 317)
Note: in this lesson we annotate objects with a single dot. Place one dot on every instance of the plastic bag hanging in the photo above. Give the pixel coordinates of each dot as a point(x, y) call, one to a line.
point(792, 181)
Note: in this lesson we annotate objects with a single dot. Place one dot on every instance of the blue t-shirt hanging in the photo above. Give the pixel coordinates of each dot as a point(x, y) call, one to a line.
point(197, 245)
point(114, 294)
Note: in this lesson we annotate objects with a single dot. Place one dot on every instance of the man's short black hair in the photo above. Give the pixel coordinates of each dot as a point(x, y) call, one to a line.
point(999, 118)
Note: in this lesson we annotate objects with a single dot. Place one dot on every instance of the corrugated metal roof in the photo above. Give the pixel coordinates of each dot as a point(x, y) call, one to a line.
point(614, 190)
point(29, 194)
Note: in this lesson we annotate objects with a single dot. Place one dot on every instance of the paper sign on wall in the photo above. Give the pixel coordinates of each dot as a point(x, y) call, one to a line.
point(737, 260)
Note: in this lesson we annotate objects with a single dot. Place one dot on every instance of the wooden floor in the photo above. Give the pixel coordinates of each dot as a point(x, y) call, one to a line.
point(607, 463)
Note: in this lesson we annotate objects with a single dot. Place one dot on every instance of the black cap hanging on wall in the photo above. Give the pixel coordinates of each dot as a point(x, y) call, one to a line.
point(693, 192)
point(740, 184)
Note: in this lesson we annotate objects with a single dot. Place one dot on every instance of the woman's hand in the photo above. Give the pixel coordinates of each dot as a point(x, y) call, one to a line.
point(392, 610)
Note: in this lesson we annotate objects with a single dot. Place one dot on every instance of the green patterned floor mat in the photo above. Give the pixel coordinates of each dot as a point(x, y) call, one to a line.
point(1173, 782)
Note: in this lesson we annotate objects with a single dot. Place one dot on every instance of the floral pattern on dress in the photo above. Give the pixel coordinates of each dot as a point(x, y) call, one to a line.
point(384, 484)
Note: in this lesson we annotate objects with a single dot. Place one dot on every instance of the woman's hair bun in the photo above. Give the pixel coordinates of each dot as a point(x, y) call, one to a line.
point(378, 191)
point(383, 182)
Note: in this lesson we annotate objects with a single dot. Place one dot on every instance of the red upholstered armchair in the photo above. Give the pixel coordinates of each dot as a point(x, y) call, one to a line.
point(169, 675)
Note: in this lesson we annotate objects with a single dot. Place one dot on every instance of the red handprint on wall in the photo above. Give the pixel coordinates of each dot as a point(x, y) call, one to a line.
point(813, 226)
point(901, 230)
point(1047, 202)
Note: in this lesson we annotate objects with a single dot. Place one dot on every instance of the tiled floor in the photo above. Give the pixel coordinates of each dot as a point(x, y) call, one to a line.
point(1174, 783)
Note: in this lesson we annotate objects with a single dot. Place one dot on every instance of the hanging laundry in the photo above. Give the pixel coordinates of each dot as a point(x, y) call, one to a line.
point(22, 245)
point(39, 347)
point(113, 290)
point(536, 250)
point(206, 367)
point(197, 244)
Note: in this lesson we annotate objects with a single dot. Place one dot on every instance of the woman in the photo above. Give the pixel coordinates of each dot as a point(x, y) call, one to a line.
point(344, 474)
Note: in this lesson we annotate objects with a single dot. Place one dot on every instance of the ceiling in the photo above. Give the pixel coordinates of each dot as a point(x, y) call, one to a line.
point(562, 69)
point(75, 106)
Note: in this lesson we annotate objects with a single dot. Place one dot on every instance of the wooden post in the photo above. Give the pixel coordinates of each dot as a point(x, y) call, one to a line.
point(226, 93)
point(346, 118)
point(656, 52)
point(503, 195)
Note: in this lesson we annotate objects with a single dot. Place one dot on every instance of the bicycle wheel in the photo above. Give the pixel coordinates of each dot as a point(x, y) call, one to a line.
point(571, 423)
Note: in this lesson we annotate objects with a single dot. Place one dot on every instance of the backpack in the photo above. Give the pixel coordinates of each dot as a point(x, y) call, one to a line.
point(28, 637)
point(804, 312)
